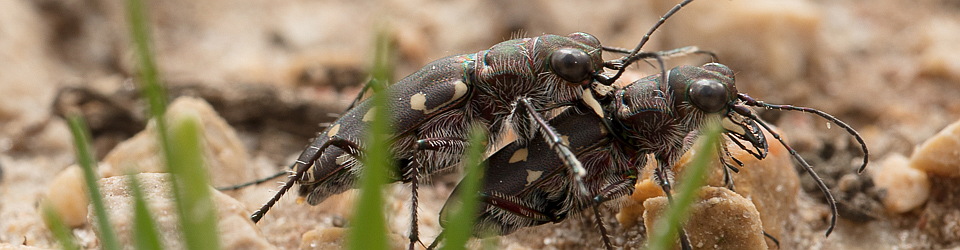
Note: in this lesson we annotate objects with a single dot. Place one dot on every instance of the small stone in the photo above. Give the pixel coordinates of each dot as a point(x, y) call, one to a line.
point(775, 38)
point(9, 246)
point(906, 188)
point(938, 45)
point(940, 155)
point(771, 184)
point(632, 210)
point(224, 154)
point(719, 219)
point(67, 195)
point(336, 238)
point(324, 238)
point(236, 231)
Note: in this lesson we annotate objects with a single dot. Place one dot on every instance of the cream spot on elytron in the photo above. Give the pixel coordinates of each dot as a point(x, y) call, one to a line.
point(334, 130)
point(369, 115)
point(533, 176)
point(459, 90)
point(418, 101)
point(565, 139)
point(519, 155)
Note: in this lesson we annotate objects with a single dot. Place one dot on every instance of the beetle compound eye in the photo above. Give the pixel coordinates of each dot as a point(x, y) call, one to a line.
point(570, 64)
point(708, 95)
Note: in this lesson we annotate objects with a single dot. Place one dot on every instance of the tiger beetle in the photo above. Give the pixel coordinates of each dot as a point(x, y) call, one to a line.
point(509, 87)
point(655, 115)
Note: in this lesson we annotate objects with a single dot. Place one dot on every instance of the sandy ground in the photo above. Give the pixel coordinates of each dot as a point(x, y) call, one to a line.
point(274, 70)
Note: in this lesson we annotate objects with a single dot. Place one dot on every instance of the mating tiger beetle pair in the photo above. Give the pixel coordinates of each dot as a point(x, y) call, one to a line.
point(590, 153)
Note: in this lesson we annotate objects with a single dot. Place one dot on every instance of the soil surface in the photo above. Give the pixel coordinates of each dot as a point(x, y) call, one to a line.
point(274, 70)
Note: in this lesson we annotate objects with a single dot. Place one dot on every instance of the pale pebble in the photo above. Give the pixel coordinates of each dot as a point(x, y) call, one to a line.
point(906, 188)
point(719, 219)
point(225, 156)
point(67, 195)
point(236, 231)
point(940, 155)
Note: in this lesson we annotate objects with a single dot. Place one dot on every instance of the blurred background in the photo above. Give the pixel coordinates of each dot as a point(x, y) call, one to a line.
point(276, 69)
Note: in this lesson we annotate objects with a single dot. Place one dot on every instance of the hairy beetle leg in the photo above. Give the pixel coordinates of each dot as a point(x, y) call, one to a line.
point(612, 190)
point(727, 177)
point(601, 227)
point(774, 239)
point(454, 143)
point(414, 226)
point(662, 176)
point(555, 142)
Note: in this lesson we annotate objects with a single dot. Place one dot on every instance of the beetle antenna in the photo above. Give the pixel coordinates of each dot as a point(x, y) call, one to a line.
point(627, 60)
point(806, 166)
point(257, 215)
point(255, 182)
point(633, 55)
point(863, 145)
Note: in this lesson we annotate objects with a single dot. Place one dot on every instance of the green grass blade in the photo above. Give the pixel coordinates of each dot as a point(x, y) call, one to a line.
point(81, 141)
point(694, 177)
point(190, 184)
point(370, 230)
point(145, 234)
point(460, 227)
point(60, 231)
point(198, 218)
point(149, 78)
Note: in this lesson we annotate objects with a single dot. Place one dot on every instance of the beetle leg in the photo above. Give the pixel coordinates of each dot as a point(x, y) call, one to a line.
point(662, 175)
point(436, 242)
point(727, 178)
point(611, 190)
point(617, 189)
point(774, 239)
point(603, 229)
point(556, 143)
point(414, 226)
point(458, 144)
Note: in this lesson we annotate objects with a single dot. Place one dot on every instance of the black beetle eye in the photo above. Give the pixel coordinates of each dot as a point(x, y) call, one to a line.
point(570, 64)
point(708, 95)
